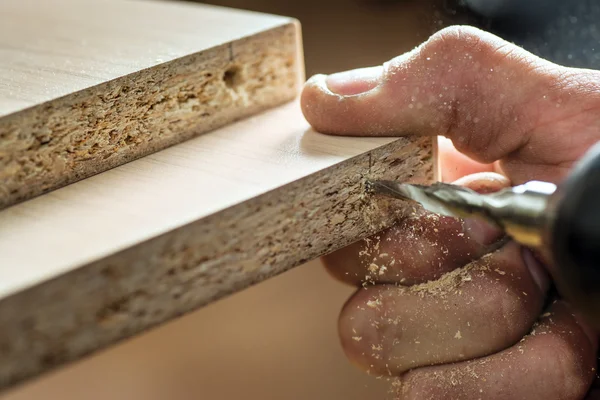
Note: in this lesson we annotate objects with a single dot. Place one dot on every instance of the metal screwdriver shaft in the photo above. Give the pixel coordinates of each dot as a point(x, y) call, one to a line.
point(521, 211)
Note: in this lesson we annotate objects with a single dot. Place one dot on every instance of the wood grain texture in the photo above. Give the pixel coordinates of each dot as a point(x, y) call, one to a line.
point(88, 85)
point(113, 255)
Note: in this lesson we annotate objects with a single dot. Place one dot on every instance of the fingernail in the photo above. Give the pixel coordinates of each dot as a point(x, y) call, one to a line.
point(356, 81)
point(484, 182)
point(536, 269)
point(481, 232)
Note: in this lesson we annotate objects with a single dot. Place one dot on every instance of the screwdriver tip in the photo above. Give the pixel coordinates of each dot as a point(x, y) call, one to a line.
point(390, 188)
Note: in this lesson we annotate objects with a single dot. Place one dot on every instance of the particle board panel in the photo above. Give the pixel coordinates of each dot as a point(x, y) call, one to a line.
point(87, 85)
point(287, 326)
point(110, 256)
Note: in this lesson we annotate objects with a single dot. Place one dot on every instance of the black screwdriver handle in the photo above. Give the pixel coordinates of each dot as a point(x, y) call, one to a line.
point(574, 241)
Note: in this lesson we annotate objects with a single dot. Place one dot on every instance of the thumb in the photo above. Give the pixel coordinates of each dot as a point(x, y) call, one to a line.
point(488, 96)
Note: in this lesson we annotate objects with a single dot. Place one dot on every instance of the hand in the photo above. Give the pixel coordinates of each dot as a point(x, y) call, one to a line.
point(447, 306)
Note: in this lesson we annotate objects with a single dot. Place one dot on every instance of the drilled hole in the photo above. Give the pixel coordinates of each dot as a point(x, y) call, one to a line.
point(232, 77)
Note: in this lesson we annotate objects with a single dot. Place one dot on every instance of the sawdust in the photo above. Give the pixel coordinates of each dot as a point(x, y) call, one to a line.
point(451, 282)
point(379, 263)
point(376, 264)
point(374, 303)
point(453, 377)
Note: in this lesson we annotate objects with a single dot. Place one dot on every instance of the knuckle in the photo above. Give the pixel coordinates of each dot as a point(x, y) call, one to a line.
point(508, 322)
point(484, 148)
point(470, 142)
point(456, 37)
point(561, 354)
point(512, 307)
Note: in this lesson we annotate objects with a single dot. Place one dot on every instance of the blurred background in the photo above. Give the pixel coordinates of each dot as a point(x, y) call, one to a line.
point(278, 340)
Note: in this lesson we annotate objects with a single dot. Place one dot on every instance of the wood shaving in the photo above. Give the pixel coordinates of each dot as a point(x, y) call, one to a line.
point(373, 268)
point(374, 303)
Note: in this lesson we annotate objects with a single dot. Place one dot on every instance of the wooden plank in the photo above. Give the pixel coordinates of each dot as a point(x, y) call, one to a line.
point(110, 256)
point(88, 85)
point(215, 353)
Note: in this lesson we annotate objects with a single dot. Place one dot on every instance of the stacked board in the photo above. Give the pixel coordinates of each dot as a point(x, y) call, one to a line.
point(201, 212)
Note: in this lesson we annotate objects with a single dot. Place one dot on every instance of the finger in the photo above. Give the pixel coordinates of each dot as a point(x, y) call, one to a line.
point(455, 165)
point(460, 82)
point(555, 362)
point(492, 98)
point(594, 392)
point(471, 312)
point(421, 247)
point(484, 182)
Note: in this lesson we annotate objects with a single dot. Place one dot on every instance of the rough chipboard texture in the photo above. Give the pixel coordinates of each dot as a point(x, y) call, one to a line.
point(130, 291)
point(79, 134)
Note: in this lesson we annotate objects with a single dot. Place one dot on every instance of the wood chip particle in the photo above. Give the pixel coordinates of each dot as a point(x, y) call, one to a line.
point(374, 303)
point(373, 268)
point(500, 271)
point(337, 219)
point(357, 338)
point(458, 335)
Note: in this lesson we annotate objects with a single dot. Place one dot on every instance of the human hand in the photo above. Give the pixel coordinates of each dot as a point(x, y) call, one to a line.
point(449, 308)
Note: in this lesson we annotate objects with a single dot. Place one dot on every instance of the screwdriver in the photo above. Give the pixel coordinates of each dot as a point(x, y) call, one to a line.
point(562, 222)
